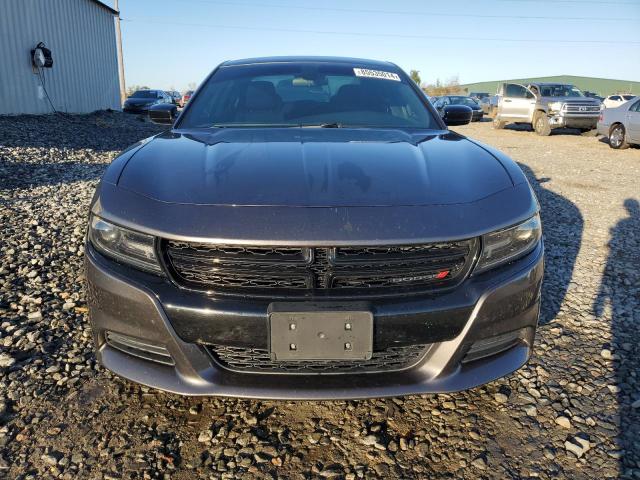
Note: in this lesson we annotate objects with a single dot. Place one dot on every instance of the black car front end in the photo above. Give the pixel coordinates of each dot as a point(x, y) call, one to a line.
point(192, 342)
point(313, 260)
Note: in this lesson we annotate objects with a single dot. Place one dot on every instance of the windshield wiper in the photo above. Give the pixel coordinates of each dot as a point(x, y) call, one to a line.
point(252, 125)
point(323, 125)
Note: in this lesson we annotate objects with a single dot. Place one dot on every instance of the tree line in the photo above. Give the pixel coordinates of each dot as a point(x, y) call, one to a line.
point(450, 86)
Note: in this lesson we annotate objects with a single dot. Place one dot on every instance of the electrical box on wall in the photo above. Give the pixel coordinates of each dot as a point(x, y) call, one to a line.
point(41, 56)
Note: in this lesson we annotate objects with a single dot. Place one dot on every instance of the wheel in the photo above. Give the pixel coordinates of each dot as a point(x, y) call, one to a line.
point(541, 124)
point(617, 137)
point(497, 123)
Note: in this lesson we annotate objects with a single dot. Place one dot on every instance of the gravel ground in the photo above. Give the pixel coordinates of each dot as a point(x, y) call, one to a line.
point(572, 412)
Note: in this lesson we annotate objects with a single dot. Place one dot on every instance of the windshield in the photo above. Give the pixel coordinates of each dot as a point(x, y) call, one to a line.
point(468, 101)
point(144, 94)
point(560, 91)
point(307, 94)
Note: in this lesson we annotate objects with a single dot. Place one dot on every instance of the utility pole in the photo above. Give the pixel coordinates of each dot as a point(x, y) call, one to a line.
point(123, 90)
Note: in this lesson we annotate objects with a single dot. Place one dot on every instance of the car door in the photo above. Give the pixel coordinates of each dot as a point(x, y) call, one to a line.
point(517, 102)
point(632, 123)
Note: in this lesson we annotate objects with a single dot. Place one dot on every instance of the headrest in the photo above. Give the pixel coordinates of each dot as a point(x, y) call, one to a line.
point(262, 96)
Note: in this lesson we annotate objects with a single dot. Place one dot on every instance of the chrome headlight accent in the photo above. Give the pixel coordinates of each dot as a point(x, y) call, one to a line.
point(506, 245)
point(555, 106)
point(124, 245)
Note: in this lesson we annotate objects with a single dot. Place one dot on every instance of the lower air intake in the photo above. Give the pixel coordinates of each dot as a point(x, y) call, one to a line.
point(258, 360)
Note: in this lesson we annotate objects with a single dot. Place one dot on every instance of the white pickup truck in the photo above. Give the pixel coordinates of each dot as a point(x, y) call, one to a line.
point(546, 106)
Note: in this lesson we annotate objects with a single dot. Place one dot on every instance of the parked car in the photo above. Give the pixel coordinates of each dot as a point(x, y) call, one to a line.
point(489, 105)
point(479, 95)
point(546, 106)
point(475, 107)
point(616, 100)
point(185, 98)
point(593, 95)
point(175, 96)
point(310, 228)
point(621, 124)
point(141, 100)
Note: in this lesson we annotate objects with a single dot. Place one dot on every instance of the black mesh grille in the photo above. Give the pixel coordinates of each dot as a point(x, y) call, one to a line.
point(259, 360)
point(297, 270)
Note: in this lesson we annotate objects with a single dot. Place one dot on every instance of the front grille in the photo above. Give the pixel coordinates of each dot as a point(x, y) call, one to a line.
point(329, 271)
point(581, 108)
point(258, 360)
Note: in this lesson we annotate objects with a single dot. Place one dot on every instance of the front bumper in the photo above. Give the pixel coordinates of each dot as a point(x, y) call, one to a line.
point(142, 306)
point(573, 121)
point(136, 108)
point(477, 115)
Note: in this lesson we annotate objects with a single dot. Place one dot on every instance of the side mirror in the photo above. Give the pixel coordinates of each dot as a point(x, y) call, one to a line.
point(453, 115)
point(165, 113)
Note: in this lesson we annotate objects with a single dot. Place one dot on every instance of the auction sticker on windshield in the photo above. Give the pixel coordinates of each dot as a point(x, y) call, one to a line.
point(365, 72)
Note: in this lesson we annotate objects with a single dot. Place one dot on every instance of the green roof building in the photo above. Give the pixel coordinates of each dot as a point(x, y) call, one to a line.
point(600, 86)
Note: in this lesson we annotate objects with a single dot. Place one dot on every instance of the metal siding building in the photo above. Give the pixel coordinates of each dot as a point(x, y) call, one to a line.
point(601, 86)
point(82, 40)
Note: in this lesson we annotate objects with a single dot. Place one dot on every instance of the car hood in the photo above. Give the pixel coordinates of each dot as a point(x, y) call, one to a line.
point(580, 100)
point(472, 107)
point(139, 101)
point(309, 167)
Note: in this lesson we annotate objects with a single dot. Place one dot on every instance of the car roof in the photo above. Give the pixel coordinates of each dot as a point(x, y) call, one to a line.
point(363, 62)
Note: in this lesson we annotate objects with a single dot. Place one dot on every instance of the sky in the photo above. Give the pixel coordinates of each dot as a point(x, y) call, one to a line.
point(171, 44)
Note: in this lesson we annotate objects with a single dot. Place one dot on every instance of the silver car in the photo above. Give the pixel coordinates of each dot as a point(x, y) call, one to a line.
point(621, 124)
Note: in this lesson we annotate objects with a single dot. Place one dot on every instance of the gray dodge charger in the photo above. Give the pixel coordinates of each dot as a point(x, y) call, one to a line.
point(309, 228)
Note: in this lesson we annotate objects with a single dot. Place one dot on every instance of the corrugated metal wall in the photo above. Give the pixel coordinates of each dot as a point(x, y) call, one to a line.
point(601, 86)
point(81, 37)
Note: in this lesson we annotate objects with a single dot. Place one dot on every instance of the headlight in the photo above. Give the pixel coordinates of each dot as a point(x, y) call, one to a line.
point(124, 245)
point(555, 106)
point(506, 245)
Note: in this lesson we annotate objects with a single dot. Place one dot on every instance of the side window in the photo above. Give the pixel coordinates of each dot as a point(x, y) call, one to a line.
point(635, 107)
point(515, 91)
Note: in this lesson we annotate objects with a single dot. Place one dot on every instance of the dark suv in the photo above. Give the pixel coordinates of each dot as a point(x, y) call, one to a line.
point(309, 228)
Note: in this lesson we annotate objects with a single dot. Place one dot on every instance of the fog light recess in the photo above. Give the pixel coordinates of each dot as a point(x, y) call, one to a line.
point(493, 345)
point(139, 348)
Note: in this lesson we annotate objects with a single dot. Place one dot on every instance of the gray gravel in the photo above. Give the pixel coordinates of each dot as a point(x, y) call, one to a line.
point(572, 412)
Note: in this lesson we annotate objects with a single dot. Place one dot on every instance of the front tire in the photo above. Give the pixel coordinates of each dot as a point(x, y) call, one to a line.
point(617, 137)
point(541, 124)
point(497, 123)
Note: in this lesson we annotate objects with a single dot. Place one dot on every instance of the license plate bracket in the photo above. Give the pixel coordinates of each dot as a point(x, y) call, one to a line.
point(320, 332)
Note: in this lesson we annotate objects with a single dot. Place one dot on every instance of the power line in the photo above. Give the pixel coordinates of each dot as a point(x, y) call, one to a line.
point(581, 2)
point(384, 35)
point(412, 13)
